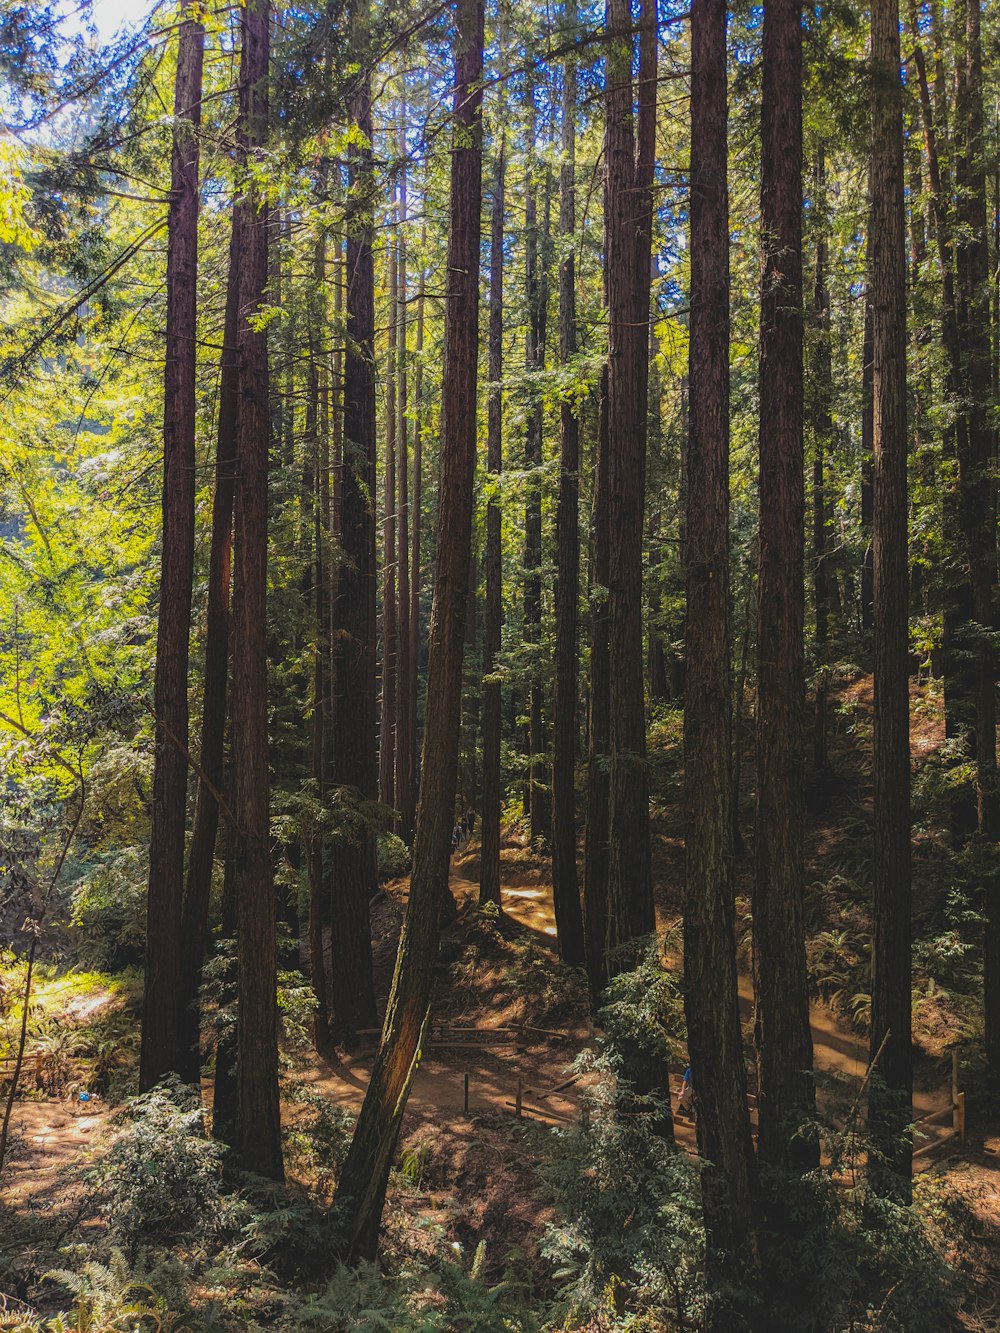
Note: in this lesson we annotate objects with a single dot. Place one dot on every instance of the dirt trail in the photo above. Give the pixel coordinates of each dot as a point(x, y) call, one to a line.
point(437, 1099)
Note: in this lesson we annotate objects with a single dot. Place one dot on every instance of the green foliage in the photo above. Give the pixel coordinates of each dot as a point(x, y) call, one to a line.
point(160, 1181)
point(315, 1136)
point(393, 856)
point(628, 1240)
point(108, 910)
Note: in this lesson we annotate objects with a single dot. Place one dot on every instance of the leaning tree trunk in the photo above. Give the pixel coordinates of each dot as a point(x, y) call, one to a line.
point(361, 1190)
point(891, 1088)
point(565, 882)
point(164, 1022)
point(353, 997)
point(784, 1052)
point(258, 1122)
point(489, 859)
point(715, 1039)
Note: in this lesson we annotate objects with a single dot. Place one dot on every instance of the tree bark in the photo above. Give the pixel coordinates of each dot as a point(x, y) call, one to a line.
point(784, 1049)
point(390, 627)
point(715, 1039)
point(595, 867)
point(164, 1017)
point(891, 1088)
point(536, 298)
point(404, 748)
point(629, 151)
point(977, 487)
point(361, 1190)
point(489, 859)
point(258, 1124)
point(822, 418)
point(565, 882)
point(353, 991)
point(201, 856)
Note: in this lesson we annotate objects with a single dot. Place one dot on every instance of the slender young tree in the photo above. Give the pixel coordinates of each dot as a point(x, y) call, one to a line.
point(715, 1039)
point(361, 1190)
point(565, 882)
point(258, 1122)
point(353, 991)
point(164, 1023)
point(784, 1051)
point(489, 860)
point(536, 248)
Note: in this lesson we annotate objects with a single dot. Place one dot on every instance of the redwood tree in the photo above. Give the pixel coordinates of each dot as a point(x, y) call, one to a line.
point(164, 1024)
point(629, 145)
point(784, 1050)
point(715, 1039)
point(258, 1123)
point(565, 883)
point(892, 1082)
point(489, 860)
point(354, 881)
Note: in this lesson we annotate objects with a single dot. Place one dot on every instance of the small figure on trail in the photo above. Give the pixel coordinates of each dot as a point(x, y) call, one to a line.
point(456, 838)
point(685, 1099)
point(470, 820)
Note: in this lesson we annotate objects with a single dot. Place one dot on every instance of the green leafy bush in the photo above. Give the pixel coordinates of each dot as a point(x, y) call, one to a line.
point(392, 855)
point(159, 1183)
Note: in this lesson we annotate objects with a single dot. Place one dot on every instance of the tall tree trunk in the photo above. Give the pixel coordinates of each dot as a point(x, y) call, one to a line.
point(258, 1124)
point(409, 814)
point(361, 1191)
point(565, 884)
point(891, 1089)
point(536, 298)
point(390, 627)
point(976, 480)
point(320, 725)
point(404, 749)
point(715, 1039)
point(867, 614)
point(489, 860)
point(784, 1053)
point(213, 713)
point(164, 1019)
point(629, 151)
point(822, 418)
point(595, 866)
point(353, 998)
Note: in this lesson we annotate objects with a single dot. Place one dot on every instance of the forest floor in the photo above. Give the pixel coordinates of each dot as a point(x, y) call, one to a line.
point(475, 1172)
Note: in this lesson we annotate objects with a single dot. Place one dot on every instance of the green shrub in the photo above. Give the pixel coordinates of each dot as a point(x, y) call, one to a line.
point(159, 1183)
point(392, 856)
